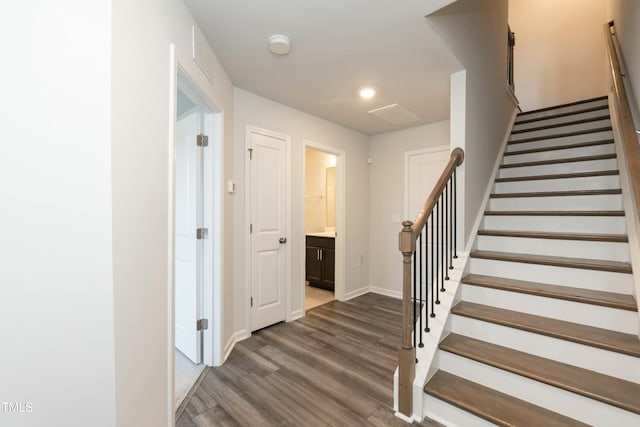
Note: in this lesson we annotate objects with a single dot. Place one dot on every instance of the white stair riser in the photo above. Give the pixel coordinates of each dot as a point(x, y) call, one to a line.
point(555, 142)
point(587, 314)
point(595, 202)
point(557, 168)
point(577, 277)
point(584, 356)
point(450, 415)
point(562, 184)
point(561, 110)
point(594, 150)
point(562, 120)
point(564, 402)
point(612, 251)
point(561, 130)
point(567, 224)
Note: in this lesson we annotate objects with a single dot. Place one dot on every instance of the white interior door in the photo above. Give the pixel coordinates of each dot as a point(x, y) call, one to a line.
point(268, 238)
point(423, 171)
point(188, 217)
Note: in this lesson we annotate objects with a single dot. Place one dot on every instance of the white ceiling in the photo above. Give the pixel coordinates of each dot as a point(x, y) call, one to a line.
point(337, 47)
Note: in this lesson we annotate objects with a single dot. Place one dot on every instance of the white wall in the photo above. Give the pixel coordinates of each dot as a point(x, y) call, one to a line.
point(56, 298)
point(386, 199)
point(476, 32)
point(253, 110)
point(626, 14)
point(140, 84)
point(559, 52)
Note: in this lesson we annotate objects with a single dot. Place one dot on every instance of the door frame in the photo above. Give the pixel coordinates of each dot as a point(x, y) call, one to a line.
point(341, 218)
point(186, 71)
point(287, 256)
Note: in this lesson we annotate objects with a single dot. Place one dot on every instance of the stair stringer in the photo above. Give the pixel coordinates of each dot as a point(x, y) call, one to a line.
point(440, 326)
point(631, 216)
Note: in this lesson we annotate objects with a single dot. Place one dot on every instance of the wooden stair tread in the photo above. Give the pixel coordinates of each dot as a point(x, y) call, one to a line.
point(560, 147)
point(562, 135)
point(569, 293)
point(557, 193)
point(587, 335)
point(555, 213)
point(560, 176)
point(558, 125)
point(556, 261)
point(560, 115)
point(591, 237)
point(559, 161)
point(569, 104)
point(610, 390)
point(491, 405)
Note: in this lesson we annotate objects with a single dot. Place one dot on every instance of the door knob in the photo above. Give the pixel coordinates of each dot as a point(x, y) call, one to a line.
point(283, 240)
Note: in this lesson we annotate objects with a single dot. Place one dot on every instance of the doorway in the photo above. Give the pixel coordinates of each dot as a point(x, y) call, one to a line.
point(196, 240)
point(319, 227)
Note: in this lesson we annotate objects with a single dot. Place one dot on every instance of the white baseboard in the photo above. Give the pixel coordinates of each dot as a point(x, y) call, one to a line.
point(356, 293)
point(295, 315)
point(235, 338)
point(386, 292)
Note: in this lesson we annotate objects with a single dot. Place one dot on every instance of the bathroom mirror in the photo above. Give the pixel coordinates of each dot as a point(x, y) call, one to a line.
point(331, 196)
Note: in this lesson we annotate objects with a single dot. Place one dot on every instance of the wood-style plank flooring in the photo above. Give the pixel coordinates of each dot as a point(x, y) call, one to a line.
point(333, 367)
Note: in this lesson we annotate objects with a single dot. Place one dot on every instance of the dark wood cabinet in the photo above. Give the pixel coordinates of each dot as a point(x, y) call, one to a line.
point(321, 262)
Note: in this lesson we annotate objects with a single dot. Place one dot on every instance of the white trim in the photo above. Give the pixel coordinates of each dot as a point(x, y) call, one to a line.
point(354, 294)
point(512, 96)
point(341, 218)
point(631, 216)
point(407, 154)
point(487, 194)
point(288, 276)
point(187, 71)
point(386, 292)
point(233, 340)
point(298, 314)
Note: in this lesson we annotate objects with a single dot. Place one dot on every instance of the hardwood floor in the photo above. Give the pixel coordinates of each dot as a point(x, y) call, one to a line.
point(333, 367)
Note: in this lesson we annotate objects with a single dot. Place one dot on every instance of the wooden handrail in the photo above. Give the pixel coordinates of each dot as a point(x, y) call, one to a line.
point(407, 243)
point(456, 159)
point(629, 138)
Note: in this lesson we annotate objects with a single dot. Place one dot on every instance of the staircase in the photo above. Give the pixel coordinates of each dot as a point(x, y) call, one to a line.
point(546, 332)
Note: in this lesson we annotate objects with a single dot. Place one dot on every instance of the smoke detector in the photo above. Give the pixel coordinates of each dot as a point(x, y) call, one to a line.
point(279, 44)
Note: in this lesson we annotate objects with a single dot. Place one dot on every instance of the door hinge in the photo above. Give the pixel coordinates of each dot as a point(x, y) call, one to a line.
point(251, 301)
point(202, 140)
point(250, 228)
point(202, 324)
point(250, 153)
point(202, 233)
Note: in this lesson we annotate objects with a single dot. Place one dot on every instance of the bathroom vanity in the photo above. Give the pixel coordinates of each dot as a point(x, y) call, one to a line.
point(321, 260)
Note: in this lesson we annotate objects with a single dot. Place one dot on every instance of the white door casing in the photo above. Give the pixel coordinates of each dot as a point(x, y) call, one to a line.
point(268, 216)
point(188, 252)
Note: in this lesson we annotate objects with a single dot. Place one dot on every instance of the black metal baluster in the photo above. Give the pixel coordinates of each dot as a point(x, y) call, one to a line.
point(419, 308)
point(442, 262)
point(414, 297)
point(451, 225)
point(435, 247)
point(426, 278)
point(433, 291)
point(446, 232)
point(455, 217)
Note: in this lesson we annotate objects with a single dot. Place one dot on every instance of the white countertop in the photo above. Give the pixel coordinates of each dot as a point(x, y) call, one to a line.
point(331, 234)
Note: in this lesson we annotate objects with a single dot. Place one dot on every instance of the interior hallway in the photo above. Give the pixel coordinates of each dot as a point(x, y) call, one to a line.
point(332, 367)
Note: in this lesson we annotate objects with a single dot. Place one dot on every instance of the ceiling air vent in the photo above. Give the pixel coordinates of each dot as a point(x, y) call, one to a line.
point(395, 114)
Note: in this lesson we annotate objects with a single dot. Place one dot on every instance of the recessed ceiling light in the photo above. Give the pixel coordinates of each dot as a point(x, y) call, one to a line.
point(279, 44)
point(367, 92)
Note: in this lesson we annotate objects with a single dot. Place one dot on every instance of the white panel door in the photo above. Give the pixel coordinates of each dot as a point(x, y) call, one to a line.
point(268, 219)
point(424, 170)
point(188, 216)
